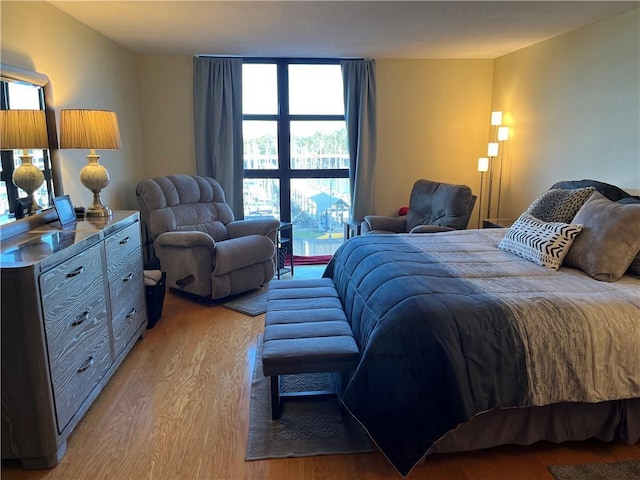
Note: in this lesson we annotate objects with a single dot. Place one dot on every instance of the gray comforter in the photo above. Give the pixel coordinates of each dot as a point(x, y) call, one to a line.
point(450, 326)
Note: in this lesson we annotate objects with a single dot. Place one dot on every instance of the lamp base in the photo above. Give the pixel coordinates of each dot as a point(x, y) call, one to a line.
point(97, 208)
point(98, 212)
point(95, 177)
point(29, 178)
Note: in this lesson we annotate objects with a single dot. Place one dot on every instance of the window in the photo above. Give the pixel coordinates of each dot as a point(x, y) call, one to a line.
point(296, 161)
point(18, 95)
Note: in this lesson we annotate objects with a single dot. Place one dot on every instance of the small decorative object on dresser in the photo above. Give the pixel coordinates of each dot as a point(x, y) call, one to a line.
point(73, 306)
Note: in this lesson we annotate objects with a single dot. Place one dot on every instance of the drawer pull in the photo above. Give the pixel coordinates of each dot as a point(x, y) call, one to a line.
point(128, 277)
point(131, 314)
point(125, 240)
point(76, 272)
point(87, 363)
point(80, 319)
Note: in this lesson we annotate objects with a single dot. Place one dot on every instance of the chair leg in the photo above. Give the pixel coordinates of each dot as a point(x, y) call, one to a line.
point(275, 397)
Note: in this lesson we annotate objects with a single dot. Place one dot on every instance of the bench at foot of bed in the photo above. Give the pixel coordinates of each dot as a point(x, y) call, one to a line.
point(306, 331)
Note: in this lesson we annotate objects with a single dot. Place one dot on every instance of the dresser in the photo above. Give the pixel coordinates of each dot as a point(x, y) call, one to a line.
point(73, 306)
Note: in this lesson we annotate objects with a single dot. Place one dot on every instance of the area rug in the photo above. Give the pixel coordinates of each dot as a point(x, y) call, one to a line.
point(597, 471)
point(307, 427)
point(251, 303)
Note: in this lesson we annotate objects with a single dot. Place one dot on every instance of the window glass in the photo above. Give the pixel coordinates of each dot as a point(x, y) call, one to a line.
point(259, 89)
point(315, 89)
point(319, 145)
point(261, 197)
point(260, 144)
point(23, 96)
point(319, 208)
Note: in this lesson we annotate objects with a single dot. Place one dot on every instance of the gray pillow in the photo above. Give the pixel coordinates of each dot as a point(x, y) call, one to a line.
point(559, 204)
point(610, 238)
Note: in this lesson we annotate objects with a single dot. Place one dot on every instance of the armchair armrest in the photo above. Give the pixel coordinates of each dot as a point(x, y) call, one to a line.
point(188, 258)
point(256, 226)
point(390, 224)
point(186, 240)
point(430, 229)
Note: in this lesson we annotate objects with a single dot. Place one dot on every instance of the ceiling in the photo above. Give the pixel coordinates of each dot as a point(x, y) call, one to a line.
point(375, 29)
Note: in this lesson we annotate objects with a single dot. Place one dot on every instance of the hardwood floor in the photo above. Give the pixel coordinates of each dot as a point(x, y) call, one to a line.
point(178, 409)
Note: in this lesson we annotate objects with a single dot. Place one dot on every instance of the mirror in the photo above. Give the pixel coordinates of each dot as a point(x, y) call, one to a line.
point(21, 88)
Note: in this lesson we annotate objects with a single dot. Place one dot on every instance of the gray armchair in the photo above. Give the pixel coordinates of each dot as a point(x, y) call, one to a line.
point(433, 207)
point(205, 252)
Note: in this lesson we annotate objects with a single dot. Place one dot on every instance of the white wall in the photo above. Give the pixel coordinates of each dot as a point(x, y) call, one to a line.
point(573, 104)
point(86, 70)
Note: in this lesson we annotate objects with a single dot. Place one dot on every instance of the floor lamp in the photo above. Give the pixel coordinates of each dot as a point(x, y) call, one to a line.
point(503, 136)
point(499, 135)
point(483, 166)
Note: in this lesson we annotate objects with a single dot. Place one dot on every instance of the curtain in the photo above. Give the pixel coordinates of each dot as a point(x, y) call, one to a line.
point(359, 81)
point(217, 110)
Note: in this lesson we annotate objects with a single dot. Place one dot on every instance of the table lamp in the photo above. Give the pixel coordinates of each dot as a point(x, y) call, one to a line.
point(24, 130)
point(91, 129)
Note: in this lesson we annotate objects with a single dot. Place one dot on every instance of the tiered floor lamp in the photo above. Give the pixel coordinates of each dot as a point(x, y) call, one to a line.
point(499, 134)
point(483, 167)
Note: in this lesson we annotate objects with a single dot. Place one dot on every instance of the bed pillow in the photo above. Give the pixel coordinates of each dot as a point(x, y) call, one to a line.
point(610, 239)
point(543, 243)
point(559, 204)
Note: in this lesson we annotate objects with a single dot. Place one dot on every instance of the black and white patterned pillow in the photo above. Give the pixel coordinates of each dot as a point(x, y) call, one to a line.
point(559, 204)
point(543, 243)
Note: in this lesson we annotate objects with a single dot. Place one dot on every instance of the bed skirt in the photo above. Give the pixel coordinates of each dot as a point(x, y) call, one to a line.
point(561, 422)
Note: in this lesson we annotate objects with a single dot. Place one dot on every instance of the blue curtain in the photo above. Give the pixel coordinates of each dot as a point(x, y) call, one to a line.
point(217, 110)
point(359, 78)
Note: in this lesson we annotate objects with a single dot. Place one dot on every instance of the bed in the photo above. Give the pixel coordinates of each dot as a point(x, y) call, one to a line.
point(467, 346)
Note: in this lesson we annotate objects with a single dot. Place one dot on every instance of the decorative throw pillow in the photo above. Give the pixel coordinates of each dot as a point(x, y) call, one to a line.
point(610, 239)
point(543, 243)
point(559, 205)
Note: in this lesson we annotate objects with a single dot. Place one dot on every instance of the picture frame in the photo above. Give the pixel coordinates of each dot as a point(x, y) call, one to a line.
point(64, 209)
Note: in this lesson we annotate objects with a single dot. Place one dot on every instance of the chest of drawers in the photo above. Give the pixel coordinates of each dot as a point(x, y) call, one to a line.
point(73, 306)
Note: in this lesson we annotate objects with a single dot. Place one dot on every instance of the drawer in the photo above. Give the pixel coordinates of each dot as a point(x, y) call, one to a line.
point(124, 249)
point(64, 330)
point(78, 374)
point(125, 290)
point(128, 320)
point(71, 282)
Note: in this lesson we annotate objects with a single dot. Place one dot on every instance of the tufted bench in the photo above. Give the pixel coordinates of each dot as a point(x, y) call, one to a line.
point(306, 331)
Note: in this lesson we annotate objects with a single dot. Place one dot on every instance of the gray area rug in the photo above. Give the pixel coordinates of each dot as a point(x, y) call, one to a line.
point(307, 427)
point(597, 471)
point(251, 303)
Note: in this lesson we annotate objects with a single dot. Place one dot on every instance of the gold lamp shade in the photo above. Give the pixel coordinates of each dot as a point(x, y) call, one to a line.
point(92, 129)
point(25, 129)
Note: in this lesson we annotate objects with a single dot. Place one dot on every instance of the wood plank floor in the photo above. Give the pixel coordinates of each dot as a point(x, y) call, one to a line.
point(178, 409)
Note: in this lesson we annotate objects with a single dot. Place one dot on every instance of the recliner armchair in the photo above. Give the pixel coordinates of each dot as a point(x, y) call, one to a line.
point(433, 207)
point(206, 253)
